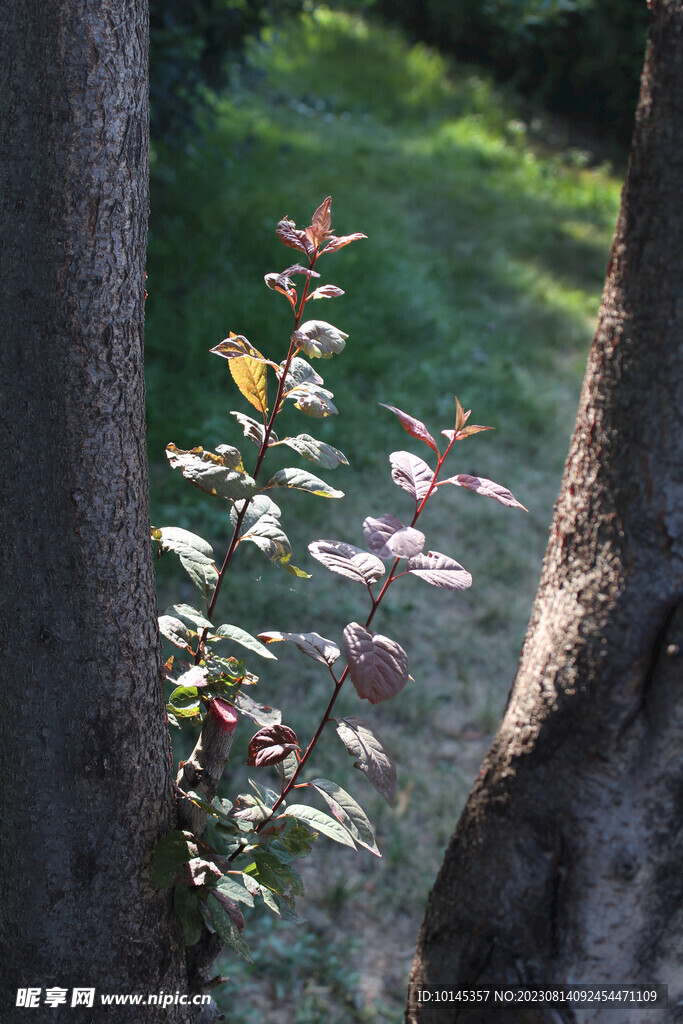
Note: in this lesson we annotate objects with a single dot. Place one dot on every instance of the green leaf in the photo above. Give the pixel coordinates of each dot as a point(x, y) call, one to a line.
point(303, 481)
point(224, 923)
point(315, 451)
point(221, 474)
point(286, 768)
point(321, 822)
point(240, 636)
point(184, 698)
point(170, 855)
point(348, 812)
point(232, 884)
point(187, 904)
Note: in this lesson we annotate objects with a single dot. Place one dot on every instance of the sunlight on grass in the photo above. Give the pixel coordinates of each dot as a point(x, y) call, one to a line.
point(481, 276)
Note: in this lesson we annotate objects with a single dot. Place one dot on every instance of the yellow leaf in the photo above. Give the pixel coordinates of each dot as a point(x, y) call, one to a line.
point(250, 376)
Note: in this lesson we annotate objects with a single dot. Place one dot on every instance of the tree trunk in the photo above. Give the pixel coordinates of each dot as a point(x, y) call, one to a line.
point(86, 777)
point(565, 866)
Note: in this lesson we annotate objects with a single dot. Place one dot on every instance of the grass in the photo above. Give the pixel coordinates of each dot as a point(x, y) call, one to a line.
point(480, 277)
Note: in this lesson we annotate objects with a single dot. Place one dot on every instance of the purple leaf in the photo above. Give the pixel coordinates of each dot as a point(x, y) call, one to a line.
point(326, 291)
point(262, 714)
point(374, 760)
point(412, 474)
point(460, 435)
point(288, 233)
point(321, 224)
point(271, 745)
point(378, 666)
point(234, 346)
point(348, 560)
point(230, 908)
point(334, 242)
point(440, 571)
point(312, 644)
point(483, 486)
point(415, 428)
point(387, 537)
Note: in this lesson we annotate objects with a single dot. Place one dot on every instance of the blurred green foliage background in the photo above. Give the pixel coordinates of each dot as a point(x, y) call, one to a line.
point(489, 220)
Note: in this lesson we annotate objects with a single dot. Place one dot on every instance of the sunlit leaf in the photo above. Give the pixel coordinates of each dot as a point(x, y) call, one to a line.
point(221, 474)
point(412, 474)
point(253, 430)
point(269, 537)
point(260, 505)
point(284, 278)
point(301, 372)
point(347, 560)
point(313, 401)
point(348, 812)
point(301, 480)
point(373, 758)
point(387, 537)
point(319, 339)
point(312, 644)
point(292, 236)
point(235, 346)
point(240, 636)
point(326, 291)
point(319, 452)
point(195, 556)
point(196, 677)
point(189, 615)
point(487, 487)
point(321, 223)
point(175, 630)
point(440, 570)
point(460, 435)
point(378, 666)
point(334, 243)
point(250, 376)
point(322, 822)
point(415, 428)
point(270, 745)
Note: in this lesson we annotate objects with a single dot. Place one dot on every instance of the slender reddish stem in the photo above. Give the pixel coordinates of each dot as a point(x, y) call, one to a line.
point(391, 578)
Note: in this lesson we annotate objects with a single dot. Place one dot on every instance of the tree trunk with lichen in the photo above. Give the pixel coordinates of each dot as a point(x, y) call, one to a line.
point(87, 788)
point(565, 864)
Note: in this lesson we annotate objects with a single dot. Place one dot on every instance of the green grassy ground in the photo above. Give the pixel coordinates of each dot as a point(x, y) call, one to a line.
point(481, 277)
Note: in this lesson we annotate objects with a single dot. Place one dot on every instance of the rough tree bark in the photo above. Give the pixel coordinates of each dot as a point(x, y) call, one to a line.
point(565, 864)
point(86, 776)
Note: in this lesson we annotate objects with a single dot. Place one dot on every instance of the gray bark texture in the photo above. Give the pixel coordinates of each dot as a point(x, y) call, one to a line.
point(87, 788)
point(565, 866)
